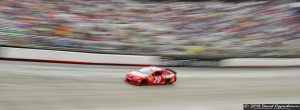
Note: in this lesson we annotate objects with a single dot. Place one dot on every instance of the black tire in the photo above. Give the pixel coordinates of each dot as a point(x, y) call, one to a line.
point(168, 82)
point(143, 83)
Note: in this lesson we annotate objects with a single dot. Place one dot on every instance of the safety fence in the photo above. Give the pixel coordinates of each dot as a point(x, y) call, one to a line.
point(58, 56)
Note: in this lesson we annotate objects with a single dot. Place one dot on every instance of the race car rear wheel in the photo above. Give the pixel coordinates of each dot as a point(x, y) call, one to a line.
point(143, 83)
point(168, 82)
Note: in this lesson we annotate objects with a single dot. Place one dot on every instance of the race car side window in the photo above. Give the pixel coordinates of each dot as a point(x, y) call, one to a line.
point(157, 73)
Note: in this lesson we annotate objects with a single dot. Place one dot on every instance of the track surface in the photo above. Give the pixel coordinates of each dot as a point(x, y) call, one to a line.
point(42, 86)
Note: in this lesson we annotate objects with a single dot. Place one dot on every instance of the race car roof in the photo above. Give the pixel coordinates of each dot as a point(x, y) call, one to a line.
point(148, 70)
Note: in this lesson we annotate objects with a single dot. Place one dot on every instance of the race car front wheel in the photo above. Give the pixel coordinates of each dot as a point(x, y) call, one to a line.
point(143, 83)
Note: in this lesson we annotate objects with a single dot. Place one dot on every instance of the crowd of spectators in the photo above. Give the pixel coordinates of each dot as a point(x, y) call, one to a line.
point(206, 28)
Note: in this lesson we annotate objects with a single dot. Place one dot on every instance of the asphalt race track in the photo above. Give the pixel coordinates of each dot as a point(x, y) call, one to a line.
point(43, 86)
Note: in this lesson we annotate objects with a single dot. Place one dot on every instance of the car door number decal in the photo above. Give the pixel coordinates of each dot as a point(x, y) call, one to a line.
point(156, 79)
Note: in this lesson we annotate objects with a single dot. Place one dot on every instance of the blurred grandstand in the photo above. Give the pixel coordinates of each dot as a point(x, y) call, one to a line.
point(202, 29)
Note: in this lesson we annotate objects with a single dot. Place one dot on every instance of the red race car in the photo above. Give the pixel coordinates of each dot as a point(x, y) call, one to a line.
point(151, 75)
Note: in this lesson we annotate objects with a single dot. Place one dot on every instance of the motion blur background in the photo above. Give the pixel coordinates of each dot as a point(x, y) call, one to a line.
point(202, 28)
point(198, 33)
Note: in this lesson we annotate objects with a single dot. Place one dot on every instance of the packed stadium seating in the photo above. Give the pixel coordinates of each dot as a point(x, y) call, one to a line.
point(204, 29)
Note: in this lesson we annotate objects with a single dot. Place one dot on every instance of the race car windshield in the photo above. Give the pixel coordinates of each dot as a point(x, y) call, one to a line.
point(146, 71)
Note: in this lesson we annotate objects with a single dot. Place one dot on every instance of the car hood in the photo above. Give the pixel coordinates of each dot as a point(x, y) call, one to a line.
point(136, 73)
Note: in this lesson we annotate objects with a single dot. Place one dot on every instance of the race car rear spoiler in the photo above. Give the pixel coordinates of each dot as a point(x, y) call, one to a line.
point(171, 70)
